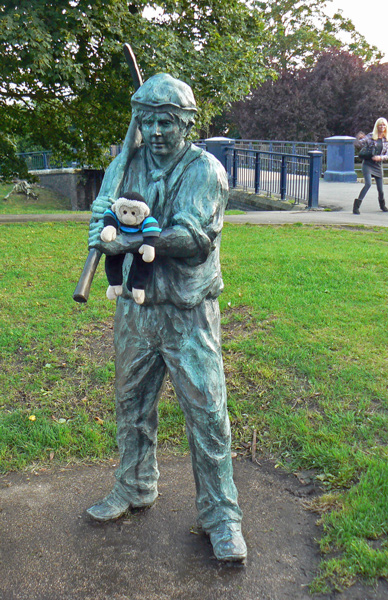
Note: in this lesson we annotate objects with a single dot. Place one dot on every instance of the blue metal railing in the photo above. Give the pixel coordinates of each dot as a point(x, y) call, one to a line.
point(259, 165)
point(44, 159)
point(38, 161)
point(287, 176)
point(285, 147)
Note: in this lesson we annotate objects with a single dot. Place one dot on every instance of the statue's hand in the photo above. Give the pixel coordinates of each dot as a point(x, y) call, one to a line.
point(100, 205)
point(95, 228)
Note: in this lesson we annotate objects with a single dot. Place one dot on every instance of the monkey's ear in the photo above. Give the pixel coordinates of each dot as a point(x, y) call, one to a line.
point(113, 207)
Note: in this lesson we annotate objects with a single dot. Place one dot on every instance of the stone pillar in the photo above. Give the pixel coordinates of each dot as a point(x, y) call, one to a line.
point(314, 175)
point(218, 146)
point(340, 159)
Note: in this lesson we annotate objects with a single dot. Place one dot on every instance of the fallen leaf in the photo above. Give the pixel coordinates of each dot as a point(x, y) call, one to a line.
point(32, 418)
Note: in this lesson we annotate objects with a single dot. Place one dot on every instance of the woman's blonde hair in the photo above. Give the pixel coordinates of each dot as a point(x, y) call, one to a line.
point(375, 133)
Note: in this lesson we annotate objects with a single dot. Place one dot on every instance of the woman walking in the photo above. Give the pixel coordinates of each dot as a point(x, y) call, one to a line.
point(374, 147)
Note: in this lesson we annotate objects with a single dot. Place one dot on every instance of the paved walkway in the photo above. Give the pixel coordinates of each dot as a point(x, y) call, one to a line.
point(335, 208)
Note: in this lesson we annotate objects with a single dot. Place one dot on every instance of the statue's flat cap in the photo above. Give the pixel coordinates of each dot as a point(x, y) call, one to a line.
point(163, 92)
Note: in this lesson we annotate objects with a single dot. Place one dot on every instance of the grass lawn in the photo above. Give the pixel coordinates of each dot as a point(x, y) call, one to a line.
point(305, 341)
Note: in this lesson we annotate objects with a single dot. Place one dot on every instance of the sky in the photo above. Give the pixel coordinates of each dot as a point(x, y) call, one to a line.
point(369, 18)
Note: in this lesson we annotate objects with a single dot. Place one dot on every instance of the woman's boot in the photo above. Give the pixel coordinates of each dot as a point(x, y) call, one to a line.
point(382, 204)
point(356, 206)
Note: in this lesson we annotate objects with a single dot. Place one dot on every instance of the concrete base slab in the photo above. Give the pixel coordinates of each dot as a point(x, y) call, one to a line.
point(51, 550)
point(340, 177)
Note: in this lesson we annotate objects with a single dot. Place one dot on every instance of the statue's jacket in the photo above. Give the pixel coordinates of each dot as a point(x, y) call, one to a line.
point(191, 193)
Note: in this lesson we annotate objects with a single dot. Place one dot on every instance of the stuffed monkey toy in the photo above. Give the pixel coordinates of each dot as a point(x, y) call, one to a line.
point(130, 214)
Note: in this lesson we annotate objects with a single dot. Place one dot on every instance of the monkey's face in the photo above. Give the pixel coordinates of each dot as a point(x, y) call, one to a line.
point(130, 215)
point(130, 212)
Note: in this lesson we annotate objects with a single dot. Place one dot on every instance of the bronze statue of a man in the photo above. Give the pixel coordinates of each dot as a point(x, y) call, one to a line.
point(177, 329)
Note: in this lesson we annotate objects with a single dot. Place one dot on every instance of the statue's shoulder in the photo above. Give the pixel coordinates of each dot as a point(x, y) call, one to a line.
point(208, 165)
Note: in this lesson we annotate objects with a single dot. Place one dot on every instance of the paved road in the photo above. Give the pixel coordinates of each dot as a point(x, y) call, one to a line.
point(55, 217)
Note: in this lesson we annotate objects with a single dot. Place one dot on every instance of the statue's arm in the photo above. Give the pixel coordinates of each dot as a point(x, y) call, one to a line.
point(174, 241)
point(198, 213)
point(114, 173)
point(177, 242)
point(197, 221)
point(121, 245)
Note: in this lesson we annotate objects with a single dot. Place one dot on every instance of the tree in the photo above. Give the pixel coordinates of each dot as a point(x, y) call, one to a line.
point(337, 96)
point(296, 32)
point(64, 80)
point(10, 164)
point(370, 100)
point(299, 29)
point(278, 110)
point(332, 88)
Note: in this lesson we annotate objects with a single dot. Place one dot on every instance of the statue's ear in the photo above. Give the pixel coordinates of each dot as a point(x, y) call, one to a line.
point(113, 207)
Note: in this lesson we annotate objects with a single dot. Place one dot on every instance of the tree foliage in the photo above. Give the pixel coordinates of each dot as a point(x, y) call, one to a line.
point(296, 32)
point(339, 95)
point(64, 80)
point(299, 29)
point(370, 98)
point(65, 86)
point(10, 164)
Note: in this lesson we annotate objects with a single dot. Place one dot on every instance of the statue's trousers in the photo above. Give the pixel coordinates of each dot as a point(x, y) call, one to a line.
point(150, 340)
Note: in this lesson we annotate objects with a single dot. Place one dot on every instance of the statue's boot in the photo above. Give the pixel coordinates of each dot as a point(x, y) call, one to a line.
point(228, 542)
point(113, 506)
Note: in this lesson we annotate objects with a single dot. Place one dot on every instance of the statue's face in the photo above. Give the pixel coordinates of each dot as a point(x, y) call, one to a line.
point(162, 133)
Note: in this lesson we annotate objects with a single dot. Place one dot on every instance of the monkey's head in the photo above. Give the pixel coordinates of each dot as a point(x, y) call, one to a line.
point(130, 209)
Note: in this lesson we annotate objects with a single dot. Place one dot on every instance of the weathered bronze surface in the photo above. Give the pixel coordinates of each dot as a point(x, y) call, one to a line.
point(177, 329)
